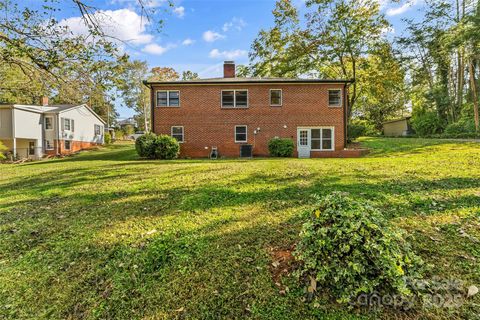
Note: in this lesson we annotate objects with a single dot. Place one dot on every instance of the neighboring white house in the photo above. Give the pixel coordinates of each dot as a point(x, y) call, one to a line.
point(30, 131)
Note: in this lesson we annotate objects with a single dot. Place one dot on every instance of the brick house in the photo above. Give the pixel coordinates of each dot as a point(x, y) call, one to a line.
point(230, 113)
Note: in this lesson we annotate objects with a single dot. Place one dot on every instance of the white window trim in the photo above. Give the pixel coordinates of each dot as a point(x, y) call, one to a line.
point(321, 137)
point(65, 145)
point(183, 133)
point(69, 124)
point(235, 133)
point(281, 98)
point(234, 99)
point(168, 99)
point(45, 123)
point(51, 146)
point(341, 99)
point(95, 126)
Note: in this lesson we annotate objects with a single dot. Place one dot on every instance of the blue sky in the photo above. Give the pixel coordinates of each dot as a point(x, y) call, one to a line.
point(198, 35)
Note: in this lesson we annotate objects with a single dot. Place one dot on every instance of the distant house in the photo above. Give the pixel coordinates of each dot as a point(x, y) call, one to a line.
point(31, 131)
point(398, 127)
point(237, 116)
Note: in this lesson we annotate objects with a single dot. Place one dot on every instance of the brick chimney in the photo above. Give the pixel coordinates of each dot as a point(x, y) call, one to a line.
point(229, 69)
point(44, 101)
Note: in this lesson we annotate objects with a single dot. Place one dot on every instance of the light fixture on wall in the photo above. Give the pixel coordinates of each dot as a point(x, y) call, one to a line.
point(284, 126)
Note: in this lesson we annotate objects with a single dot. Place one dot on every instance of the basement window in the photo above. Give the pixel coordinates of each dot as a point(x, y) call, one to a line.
point(240, 133)
point(177, 133)
point(68, 144)
point(321, 139)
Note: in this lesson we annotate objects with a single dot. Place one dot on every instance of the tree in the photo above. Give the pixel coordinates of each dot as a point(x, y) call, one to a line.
point(189, 75)
point(339, 39)
point(163, 74)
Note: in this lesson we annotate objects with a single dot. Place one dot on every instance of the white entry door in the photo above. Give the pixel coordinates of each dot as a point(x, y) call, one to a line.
point(303, 143)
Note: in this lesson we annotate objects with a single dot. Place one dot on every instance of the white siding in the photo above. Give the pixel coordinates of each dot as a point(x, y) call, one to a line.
point(5, 123)
point(84, 126)
point(28, 125)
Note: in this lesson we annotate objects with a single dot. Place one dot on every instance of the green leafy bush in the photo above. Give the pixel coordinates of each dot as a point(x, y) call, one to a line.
point(426, 123)
point(166, 147)
point(2, 149)
point(107, 138)
point(281, 147)
point(461, 127)
point(347, 246)
point(354, 131)
point(145, 145)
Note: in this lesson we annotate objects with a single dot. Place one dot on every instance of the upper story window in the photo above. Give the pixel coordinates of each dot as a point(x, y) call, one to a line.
point(98, 129)
point(335, 98)
point(240, 133)
point(168, 98)
point(276, 97)
point(48, 123)
point(234, 98)
point(68, 124)
point(177, 133)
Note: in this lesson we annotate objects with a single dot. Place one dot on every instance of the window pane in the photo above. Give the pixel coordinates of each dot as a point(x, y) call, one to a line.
point(174, 98)
point(48, 123)
point(241, 98)
point(334, 97)
point(327, 133)
point(162, 98)
point(315, 143)
point(275, 97)
point(67, 124)
point(227, 98)
point(177, 130)
point(327, 144)
point(315, 133)
point(241, 133)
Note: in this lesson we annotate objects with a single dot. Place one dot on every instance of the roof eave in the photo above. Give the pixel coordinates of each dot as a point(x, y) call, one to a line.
point(295, 81)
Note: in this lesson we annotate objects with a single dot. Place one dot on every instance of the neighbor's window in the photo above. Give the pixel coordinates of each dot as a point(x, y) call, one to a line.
point(334, 98)
point(48, 145)
point(275, 97)
point(168, 98)
point(67, 144)
point(48, 123)
point(31, 148)
point(240, 133)
point(321, 139)
point(177, 133)
point(234, 98)
point(68, 124)
point(98, 130)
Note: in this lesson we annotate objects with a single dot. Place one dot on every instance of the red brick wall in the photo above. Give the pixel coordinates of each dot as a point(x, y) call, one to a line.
point(74, 147)
point(206, 124)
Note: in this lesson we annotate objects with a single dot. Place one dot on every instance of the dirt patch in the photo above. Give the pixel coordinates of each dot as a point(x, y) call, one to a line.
point(282, 265)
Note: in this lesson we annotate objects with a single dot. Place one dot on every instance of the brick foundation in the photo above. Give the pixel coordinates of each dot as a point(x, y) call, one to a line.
point(74, 147)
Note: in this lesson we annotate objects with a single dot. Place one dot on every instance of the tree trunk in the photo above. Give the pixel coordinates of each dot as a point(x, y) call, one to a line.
point(474, 94)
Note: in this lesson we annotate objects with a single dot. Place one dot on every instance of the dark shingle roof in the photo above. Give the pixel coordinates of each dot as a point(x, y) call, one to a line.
point(247, 80)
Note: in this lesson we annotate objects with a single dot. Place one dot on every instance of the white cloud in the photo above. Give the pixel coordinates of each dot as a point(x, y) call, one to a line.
point(232, 54)
point(156, 49)
point(402, 9)
point(236, 23)
point(179, 11)
point(188, 42)
point(123, 25)
point(211, 36)
point(146, 3)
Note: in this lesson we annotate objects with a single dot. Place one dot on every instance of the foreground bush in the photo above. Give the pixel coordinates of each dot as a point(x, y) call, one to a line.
point(152, 146)
point(349, 249)
point(166, 147)
point(107, 138)
point(280, 147)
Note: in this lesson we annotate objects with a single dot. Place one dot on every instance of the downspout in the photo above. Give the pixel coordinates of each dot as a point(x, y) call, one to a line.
point(57, 118)
point(345, 130)
point(152, 106)
point(13, 133)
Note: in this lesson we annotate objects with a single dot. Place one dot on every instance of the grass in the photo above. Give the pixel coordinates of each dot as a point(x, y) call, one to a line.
point(106, 235)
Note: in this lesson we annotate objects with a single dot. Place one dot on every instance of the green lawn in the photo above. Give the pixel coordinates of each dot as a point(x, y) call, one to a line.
point(106, 235)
